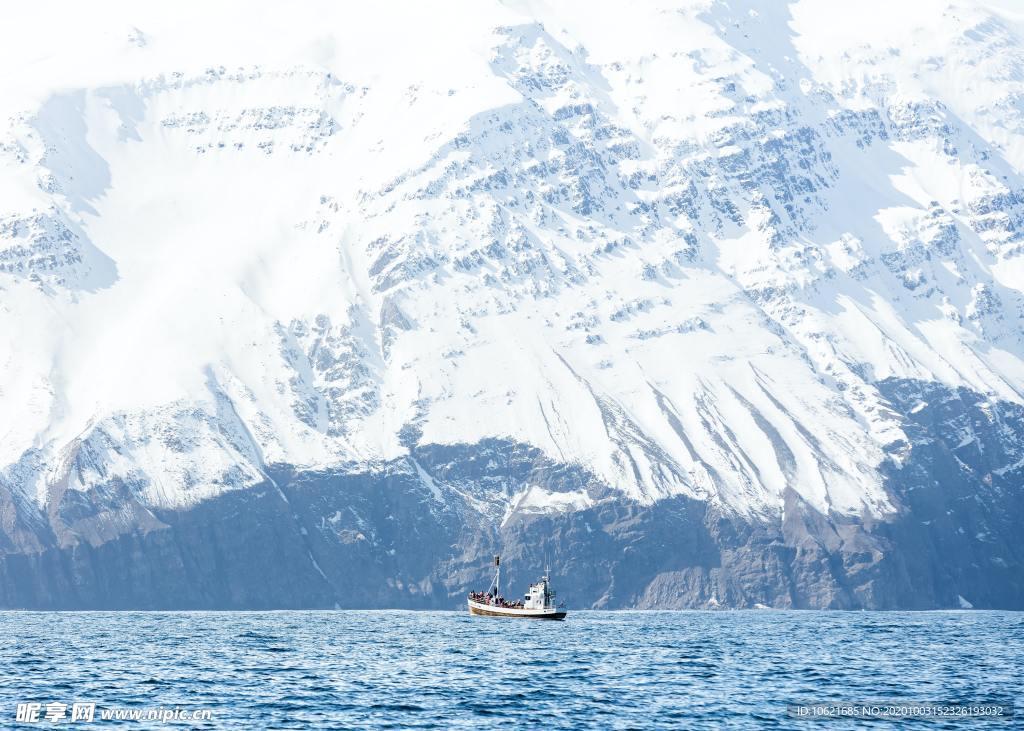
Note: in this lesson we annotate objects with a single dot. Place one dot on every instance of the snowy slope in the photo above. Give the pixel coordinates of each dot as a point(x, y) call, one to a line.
point(675, 244)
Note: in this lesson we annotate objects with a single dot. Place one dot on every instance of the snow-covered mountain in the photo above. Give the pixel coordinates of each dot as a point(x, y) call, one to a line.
point(711, 302)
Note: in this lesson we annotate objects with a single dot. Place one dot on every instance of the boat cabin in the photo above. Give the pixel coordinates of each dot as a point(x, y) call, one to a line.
point(540, 595)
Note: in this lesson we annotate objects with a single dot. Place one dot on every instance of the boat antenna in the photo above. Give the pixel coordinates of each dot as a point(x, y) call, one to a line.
point(497, 575)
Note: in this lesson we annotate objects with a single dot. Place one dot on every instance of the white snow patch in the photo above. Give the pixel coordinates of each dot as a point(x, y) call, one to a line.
point(535, 499)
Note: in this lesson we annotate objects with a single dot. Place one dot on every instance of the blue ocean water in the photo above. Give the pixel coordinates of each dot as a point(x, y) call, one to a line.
point(394, 669)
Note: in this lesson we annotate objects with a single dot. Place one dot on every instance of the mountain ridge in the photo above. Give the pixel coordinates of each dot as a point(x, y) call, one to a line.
point(687, 270)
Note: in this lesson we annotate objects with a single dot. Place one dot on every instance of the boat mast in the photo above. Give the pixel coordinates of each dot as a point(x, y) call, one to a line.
point(497, 574)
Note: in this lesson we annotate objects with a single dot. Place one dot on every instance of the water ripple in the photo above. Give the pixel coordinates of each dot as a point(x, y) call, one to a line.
point(370, 670)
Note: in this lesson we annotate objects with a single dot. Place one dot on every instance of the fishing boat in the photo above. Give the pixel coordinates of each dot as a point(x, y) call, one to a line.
point(538, 603)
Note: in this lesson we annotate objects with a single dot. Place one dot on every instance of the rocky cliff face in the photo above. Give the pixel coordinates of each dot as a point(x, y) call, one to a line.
point(706, 304)
point(416, 532)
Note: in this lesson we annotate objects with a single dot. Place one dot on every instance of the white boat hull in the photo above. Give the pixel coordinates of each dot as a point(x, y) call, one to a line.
point(488, 610)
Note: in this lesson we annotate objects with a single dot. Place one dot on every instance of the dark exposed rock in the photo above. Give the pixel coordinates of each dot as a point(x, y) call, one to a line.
point(419, 532)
